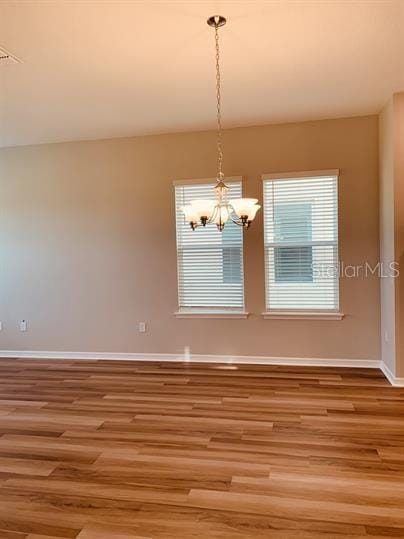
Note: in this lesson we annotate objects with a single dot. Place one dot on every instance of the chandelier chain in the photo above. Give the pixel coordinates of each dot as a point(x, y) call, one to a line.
point(219, 111)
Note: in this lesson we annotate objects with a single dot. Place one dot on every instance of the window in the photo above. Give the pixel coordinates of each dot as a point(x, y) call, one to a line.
point(301, 242)
point(293, 264)
point(210, 263)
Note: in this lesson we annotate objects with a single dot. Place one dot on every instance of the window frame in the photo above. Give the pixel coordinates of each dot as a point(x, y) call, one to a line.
point(297, 313)
point(208, 312)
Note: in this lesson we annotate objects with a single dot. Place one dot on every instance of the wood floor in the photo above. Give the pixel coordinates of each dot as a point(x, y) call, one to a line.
point(107, 449)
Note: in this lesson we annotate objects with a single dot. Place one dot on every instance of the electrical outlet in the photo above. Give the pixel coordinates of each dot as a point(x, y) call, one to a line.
point(142, 327)
point(1, 326)
point(23, 325)
point(386, 337)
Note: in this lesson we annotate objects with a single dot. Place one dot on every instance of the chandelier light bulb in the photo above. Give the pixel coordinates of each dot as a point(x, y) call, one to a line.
point(243, 206)
point(222, 215)
point(190, 213)
point(253, 212)
point(204, 208)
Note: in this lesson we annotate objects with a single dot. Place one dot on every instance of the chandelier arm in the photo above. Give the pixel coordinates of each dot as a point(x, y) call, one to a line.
point(214, 214)
point(237, 221)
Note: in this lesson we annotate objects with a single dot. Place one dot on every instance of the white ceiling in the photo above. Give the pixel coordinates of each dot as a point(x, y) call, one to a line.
point(110, 68)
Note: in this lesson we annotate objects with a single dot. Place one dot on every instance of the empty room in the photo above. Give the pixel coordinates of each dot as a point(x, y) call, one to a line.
point(201, 269)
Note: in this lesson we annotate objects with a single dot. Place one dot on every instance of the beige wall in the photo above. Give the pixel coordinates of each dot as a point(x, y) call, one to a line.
point(87, 241)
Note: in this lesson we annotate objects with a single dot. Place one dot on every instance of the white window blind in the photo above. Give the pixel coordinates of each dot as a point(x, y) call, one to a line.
point(210, 263)
point(301, 243)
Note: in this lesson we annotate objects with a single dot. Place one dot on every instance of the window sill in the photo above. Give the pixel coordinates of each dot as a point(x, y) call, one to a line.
point(211, 314)
point(303, 315)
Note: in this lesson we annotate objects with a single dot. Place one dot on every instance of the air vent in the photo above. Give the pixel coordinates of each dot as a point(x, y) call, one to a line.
point(6, 58)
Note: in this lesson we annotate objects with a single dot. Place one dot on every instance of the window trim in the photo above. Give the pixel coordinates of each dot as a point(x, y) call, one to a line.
point(187, 312)
point(303, 314)
point(301, 174)
point(210, 312)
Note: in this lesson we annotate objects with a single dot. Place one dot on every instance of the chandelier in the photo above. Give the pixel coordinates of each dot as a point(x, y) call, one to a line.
point(240, 211)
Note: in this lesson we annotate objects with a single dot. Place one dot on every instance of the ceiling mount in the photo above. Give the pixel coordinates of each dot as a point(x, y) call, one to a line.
point(216, 21)
point(6, 58)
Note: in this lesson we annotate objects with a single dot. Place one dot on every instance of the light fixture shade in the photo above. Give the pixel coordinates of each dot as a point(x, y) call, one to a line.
point(203, 208)
point(190, 213)
point(222, 214)
point(243, 206)
point(253, 212)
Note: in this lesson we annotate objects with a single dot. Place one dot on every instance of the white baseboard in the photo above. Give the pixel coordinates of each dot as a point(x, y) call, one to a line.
point(193, 358)
point(394, 380)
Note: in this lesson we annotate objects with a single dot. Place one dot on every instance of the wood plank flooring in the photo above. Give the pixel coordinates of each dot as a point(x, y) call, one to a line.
point(119, 450)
